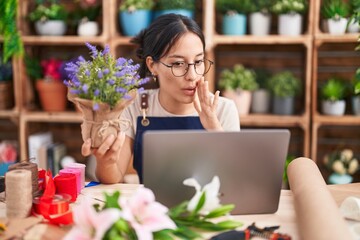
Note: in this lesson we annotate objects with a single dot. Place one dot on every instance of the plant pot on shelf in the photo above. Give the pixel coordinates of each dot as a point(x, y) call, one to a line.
point(283, 105)
point(6, 95)
point(260, 102)
point(88, 28)
point(260, 24)
point(52, 95)
point(334, 108)
point(184, 12)
point(336, 178)
point(50, 27)
point(234, 24)
point(290, 24)
point(353, 27)
point(133, 22)
point(356, 105)
point(242, 99)
point(337, 26)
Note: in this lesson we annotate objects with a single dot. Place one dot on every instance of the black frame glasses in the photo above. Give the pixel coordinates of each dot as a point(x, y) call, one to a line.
point(207, 64)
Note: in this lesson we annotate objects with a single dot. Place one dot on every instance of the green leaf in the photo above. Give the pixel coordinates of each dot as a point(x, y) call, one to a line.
point(229, 224)
point(200, 204)
point(111, 201)
point(184, 232)
point(220, 211)
point(165, 234)
point(178, 210)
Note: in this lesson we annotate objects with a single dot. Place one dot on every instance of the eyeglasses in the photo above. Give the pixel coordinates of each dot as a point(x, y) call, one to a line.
point(180, 69)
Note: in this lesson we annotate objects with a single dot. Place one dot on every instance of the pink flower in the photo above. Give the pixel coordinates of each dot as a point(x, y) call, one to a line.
point(8, 153)
point(89, 224)
point(145, 215)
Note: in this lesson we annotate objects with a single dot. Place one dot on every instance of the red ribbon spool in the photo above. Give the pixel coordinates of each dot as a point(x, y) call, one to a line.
point(59, 204)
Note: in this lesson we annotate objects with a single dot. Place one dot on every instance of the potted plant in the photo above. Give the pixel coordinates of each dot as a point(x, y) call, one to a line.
point(48, 82)
point(260, 17)
point(356, 93)
point(102, 88)
point(234, 18)
point(135, 15)
point(333, 93)
point(290, 14)
point(49, 18)
point(284, 86)
point(342, 164)
point(335, 13)
point(261, 97)
point(183, 7)
point(354, 20)
point(238, 85)
point(6, 86)
point(85, 18)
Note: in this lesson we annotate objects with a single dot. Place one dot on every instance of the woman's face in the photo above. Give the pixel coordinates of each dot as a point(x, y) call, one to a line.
point(177, 93)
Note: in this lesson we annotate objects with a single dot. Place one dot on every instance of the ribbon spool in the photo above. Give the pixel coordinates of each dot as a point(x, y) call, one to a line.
point(66, 184)
point(18, 193)
point(82, 169)
point(59, 204)
point(32, 167)
point(77, 173)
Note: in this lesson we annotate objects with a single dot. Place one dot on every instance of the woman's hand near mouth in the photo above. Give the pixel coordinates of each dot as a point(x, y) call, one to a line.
point(206, 106)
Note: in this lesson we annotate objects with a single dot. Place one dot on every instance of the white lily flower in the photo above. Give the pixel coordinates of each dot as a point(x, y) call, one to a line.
point(211, 190)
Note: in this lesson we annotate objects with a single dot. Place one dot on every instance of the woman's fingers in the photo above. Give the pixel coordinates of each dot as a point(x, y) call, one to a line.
point(119, 142)
point(86, 148)
point(106, 145)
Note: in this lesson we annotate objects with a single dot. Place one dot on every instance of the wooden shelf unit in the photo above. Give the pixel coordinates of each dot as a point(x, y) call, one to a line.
point(307, 120)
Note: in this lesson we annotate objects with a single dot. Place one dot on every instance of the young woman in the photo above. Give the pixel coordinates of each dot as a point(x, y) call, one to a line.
point(172, 51)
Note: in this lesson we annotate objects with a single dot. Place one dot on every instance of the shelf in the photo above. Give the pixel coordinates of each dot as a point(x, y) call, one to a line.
point(121, 40)
point(69, 117)
point(325, 37)
point(337, 120)
point(63, 40)
point(8, 113)
point(271, 39)
point(273, 120)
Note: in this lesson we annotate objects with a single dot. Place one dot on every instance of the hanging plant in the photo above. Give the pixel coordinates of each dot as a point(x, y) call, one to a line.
point(8, 29)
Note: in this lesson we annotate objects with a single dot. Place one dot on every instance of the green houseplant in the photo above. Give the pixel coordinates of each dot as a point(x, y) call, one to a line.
point(184, 7)
point(284, 86)
point(85, 19)
point(238, 84)
point(135, 15)
point(353, 25)
point(356, 93)
point(290, 14)
point(260, 17)
point(335, 13)
point(261, 97)
point(49, 18)
point(234, 19)
point(333, 93)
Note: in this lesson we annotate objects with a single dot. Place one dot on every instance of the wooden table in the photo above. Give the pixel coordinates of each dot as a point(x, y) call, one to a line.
point(285, 217)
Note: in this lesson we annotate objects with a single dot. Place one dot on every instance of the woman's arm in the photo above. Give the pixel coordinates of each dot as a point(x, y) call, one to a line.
point(112, 157)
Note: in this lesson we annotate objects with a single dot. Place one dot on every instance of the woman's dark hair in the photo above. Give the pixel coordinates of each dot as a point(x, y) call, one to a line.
point(164, 31)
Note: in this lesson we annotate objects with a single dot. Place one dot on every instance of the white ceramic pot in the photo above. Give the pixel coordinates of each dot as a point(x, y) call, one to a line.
point(50, 27)
point(337, 26)
point(356, 105)
point(334, 108)
point(260, 102)
point(290, 24)
point(260, 24)
point(90, 28)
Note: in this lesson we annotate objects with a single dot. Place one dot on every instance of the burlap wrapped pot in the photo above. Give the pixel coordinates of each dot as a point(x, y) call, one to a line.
point(99, 124)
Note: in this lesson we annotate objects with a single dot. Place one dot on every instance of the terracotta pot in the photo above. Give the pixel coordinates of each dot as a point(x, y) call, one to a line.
point(52, 95)
point(242, 99)
point(98, 124)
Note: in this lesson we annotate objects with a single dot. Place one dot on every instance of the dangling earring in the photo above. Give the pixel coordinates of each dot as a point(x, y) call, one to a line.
point(154, 77)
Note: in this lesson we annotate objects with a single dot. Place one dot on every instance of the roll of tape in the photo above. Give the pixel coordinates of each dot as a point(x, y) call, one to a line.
point(350, 208)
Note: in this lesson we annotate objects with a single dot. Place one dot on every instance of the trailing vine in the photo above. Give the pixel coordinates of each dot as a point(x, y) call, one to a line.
point(8, 29)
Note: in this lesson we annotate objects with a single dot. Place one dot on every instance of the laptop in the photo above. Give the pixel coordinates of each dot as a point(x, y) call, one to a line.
point(249, 163)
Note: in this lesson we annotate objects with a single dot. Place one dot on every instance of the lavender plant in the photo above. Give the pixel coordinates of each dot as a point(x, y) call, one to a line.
point(103, 79)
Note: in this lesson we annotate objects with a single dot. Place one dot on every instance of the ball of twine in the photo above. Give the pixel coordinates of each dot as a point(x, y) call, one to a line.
point(32, 167)
point(18, 193)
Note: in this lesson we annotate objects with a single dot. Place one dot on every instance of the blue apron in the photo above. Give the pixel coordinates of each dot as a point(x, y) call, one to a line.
point(160, 123)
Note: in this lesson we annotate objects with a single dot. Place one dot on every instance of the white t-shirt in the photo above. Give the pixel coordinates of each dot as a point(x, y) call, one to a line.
point(226, 112)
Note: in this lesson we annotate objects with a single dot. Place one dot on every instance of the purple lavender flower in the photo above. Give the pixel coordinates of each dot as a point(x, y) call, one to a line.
point(120, 62)
point(87, 72)
point(75, 91)
point(94, 51)
point(81, 59)
point(100, 74)
point(120, 90)
point(96, 107)
point(111, 82)
point(106, 49)
point(85, 88)
point(119, 74)
point(96, 92)
point(106, 71)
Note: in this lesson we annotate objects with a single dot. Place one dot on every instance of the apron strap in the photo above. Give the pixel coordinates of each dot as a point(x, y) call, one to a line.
point(144, 107)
